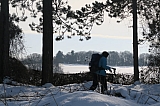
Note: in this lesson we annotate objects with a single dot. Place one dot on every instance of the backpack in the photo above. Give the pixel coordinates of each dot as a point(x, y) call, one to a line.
point(94, 63)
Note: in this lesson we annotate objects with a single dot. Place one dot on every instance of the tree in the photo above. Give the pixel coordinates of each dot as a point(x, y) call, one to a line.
point(145, 10)
point(1, 48)
point(47, 56)
point(135, 41)
point(11, 43)
point(59, 57)
point(151, 12)
point(33, 61)
point(80, 22)
point(113, 58)
point(56, 66)
point(16, 46)
point(4, 39)
point(46, 27)
point(47, 31)
point(143, 59)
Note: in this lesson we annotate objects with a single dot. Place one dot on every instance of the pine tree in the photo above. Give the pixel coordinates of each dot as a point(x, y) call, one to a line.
point(4, 39)
point(47, 56)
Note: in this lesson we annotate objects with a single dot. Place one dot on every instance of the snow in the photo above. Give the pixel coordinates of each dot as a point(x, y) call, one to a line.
point(137, 94)
point(72, 68)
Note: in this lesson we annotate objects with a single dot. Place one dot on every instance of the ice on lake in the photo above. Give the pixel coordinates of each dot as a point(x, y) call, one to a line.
point(77, 68)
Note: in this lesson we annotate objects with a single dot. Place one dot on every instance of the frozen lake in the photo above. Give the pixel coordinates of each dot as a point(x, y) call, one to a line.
point(77, 68)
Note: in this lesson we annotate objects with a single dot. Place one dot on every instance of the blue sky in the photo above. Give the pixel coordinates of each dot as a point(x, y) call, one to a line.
point(110, 36)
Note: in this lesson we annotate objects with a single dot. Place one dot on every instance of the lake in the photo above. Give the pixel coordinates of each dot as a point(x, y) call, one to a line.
point(77, 68)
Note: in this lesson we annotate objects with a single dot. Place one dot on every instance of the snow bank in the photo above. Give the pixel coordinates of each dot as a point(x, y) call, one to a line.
point(77, 95)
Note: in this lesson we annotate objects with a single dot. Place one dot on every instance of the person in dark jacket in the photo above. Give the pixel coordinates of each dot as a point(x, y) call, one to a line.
point(100, 75)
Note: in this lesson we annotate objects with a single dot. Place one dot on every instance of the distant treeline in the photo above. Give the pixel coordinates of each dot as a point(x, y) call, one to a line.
point(115, 58)
point(34, 61)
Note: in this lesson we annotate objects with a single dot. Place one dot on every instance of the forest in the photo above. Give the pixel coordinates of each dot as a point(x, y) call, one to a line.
point(115, 58)
point(22, 82)
point(57, 18)
point(34, 61)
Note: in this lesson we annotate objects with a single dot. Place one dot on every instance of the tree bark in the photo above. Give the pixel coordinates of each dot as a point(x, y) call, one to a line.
point(1, 48)
point(4, 56)
point(47, 55)
point(135, 41)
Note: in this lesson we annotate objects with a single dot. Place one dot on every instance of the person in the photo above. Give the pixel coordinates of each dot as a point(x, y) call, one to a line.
point(100, 75)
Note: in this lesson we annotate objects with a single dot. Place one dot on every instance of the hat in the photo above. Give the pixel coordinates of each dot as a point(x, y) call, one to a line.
point(105, 54)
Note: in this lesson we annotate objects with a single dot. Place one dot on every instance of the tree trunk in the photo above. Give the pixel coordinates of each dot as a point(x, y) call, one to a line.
point(1, 48)
point(4, 56)
point(135, 41)
point(47, 55)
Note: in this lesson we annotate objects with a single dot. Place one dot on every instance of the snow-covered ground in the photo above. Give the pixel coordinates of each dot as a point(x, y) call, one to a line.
point(76, 95)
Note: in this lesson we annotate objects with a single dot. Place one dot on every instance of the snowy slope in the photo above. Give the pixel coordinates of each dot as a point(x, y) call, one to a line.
point(76, 95)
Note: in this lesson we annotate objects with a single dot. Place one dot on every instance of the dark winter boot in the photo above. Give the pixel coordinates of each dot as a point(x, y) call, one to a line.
point(92, 88)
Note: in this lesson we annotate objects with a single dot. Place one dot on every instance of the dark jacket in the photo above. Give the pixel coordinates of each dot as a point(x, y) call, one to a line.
point(103, 64)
